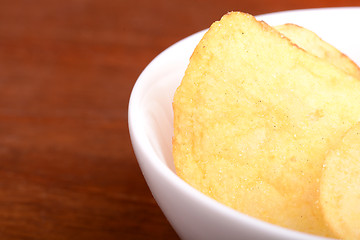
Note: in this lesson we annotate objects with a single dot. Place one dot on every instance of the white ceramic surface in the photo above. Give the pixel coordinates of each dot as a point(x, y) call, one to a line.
point(192, 214)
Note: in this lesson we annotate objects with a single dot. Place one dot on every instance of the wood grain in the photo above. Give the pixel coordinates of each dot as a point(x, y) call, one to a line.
point(67, 168)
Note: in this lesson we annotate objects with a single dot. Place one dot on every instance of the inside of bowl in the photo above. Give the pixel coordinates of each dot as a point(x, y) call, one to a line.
point(158, 112)
point(326, 24)
point(159, 83)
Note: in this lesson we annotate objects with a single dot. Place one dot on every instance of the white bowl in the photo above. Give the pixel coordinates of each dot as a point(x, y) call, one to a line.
point(192, 214)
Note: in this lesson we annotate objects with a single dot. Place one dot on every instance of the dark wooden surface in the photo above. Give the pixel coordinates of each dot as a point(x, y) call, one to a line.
point(67, 168)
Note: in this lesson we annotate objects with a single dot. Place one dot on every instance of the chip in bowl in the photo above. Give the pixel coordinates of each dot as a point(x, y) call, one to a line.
point(254, 117)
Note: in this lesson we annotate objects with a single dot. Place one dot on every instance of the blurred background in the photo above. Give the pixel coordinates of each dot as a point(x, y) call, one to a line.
point(67, 168)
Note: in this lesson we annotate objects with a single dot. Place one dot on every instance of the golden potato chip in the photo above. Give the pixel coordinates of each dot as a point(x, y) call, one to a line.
point(340, 186)
point(312, 43)
point(253, 118)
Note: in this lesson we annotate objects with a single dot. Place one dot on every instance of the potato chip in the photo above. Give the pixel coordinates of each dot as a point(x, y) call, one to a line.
point(340, 186)
point(312, 43)
point(253, 118)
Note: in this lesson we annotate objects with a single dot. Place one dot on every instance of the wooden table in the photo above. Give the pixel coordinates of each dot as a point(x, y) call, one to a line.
point(67, 168)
